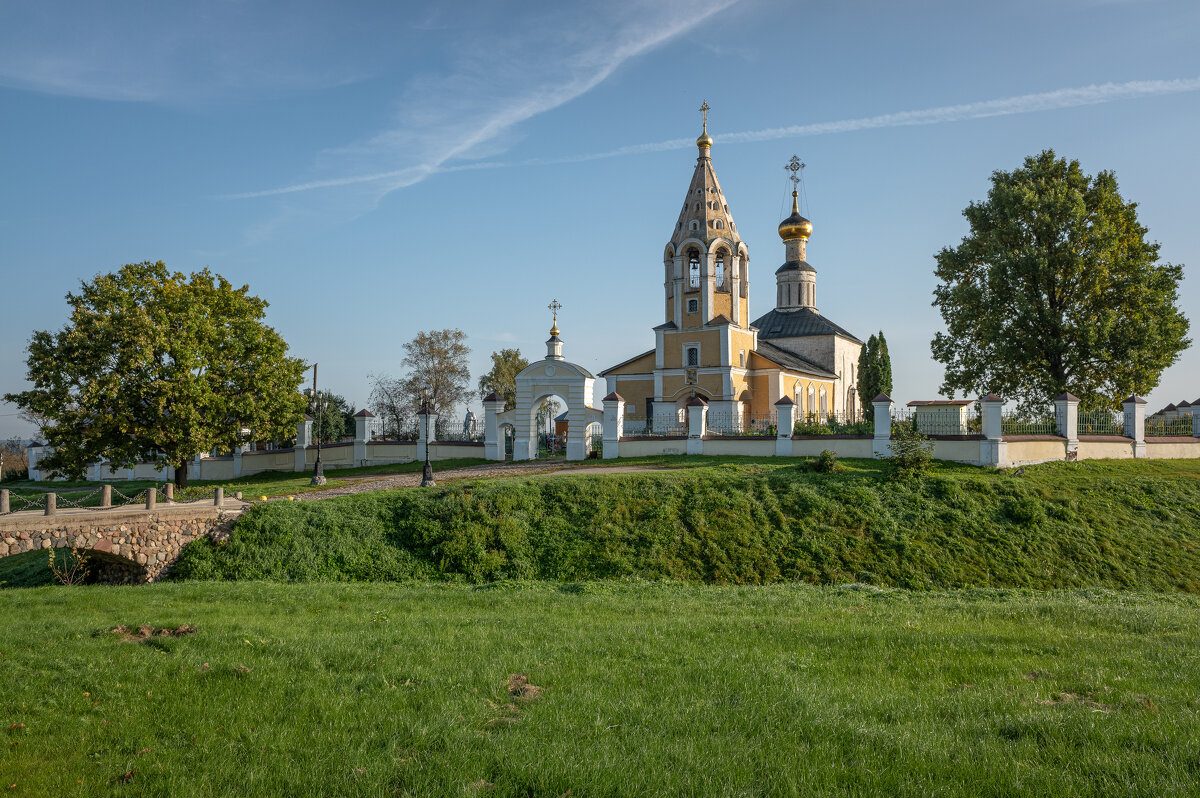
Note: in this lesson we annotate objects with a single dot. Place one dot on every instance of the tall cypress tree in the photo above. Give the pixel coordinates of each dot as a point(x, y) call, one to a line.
point(866, 376)
point(883, 368)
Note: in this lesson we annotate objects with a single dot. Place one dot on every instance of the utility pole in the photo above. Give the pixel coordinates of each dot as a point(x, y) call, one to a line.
point(318, 477)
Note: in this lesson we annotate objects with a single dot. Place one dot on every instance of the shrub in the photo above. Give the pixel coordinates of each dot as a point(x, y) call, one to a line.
point(912, 451)
point(827, 462)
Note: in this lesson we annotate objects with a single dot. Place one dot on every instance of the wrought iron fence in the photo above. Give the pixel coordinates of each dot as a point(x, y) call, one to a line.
point(1101, 422)
point(1169, 427)
point(839, 423)
point(643, 428)
point(475, 435)
point(1014, 422)
point(596, 443)
point(725, 424)
point(939, 422)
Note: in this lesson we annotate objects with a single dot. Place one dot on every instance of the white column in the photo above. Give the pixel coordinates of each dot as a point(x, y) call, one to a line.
point(1135, 423)
point(33, 452)
point(614, 424)
point(992, 451)
point(1066, 413)
point(882, 443)
point(576, 423)
point(785, 422)
point(493, 441)
point(697, 410)
point(303, 440)
point(362, 434)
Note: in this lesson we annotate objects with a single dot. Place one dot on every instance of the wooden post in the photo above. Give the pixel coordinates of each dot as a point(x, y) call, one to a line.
point(151, 498)
point(51, 504)
point(106, 496)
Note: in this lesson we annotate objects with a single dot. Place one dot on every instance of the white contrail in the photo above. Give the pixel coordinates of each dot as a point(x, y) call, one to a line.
point(1008, 106)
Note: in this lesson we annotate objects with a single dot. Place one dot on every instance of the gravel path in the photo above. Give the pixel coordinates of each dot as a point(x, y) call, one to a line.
point(390, 481)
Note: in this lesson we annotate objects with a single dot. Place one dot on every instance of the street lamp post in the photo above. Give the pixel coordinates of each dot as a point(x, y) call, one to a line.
point(427, 474)
point(318, 477)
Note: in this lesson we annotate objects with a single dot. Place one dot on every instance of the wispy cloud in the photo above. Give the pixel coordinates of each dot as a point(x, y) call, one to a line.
point(1058, 99)
point(471, 108)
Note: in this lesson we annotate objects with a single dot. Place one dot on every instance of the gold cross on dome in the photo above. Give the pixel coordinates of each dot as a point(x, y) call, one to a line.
point(794, 166)
point(704, 109)
point(554, 307)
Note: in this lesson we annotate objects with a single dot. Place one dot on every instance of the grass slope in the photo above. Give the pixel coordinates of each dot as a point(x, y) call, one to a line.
point(382, 690)
point(1115, 524)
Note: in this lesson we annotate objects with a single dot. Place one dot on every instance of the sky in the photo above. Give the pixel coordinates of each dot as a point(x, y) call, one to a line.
point(376, 169)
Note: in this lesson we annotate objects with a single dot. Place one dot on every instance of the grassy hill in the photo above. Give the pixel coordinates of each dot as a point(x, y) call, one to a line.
point(1103, 524)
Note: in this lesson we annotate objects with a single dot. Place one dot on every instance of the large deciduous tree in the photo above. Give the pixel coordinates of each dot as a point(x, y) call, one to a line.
point(158, 364)
point(437, 370)
point(502, 379)
point(1056, 289)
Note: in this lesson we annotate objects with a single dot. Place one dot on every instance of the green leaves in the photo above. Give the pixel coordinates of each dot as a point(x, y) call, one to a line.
point(157, 364)
point(1056, 289)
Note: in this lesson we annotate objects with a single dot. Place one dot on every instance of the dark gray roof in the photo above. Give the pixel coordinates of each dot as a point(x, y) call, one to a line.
point(789, 359)
point(796, 266)
point(797, 323)
point(670, 325)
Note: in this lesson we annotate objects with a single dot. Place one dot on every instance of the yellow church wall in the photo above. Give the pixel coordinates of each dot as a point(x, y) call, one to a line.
point(635, 393)
point(710, 347)
point(722, 304)
point(642, 365)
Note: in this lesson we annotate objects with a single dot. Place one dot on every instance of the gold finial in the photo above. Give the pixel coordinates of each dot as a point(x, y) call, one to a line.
point(795, 226)
point(705, 140)
point(554, 307)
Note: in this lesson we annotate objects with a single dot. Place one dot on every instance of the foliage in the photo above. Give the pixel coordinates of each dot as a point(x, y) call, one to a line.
point(874, 373)
point(1056, 289)
point(912, 451)
point(157, 363)
point(832, 425)
point(647, 689)
point(826, 462)
point(1106, 524)
point(389, 402)
point(333, 416)
point(14, 460)
point(547, 411)
point(72, 571)
point(502, 379)
point(438, 371)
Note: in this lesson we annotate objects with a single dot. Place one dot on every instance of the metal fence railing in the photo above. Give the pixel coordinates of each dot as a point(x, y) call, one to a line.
point(475, 435)
point(725, 424)
point(1101, 422)
point(938, 421)
point(642, 428)
point(839, 423)
point(1018, 423)
point(1169, 427)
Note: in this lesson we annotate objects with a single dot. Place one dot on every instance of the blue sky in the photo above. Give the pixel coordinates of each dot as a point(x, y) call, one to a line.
point(377, 169)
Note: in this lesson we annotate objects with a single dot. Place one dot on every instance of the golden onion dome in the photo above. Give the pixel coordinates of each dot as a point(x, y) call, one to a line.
point(705, 140)
point(795, 226)
point(554, 330)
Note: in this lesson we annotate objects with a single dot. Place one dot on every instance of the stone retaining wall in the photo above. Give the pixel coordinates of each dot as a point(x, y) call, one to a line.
point(124, 546)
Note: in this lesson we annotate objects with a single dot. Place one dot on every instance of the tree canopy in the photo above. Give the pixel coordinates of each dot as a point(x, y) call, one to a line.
point(437, 369)
point(333, 419)
point(502, 379)
point(874, 373)
point(1055, 288)
point(161, 365)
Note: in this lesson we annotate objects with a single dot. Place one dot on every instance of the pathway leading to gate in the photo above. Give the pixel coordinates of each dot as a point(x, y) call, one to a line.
point(412, 480)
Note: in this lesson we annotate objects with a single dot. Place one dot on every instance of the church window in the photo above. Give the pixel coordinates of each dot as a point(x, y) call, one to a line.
point(720, 267)
point(742, 358)
point(693, 268)
point(824, 404)
point(812, 400)
point(717, 223)
point(696, 207)
point(693, 356)
point(693, 305)
point(694, 225)
point(789, 293)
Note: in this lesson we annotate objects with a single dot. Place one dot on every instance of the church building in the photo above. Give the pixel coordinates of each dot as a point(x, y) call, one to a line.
point(708, 348)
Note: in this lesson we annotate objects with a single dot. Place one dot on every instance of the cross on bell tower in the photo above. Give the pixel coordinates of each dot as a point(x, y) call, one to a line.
point(554, 343)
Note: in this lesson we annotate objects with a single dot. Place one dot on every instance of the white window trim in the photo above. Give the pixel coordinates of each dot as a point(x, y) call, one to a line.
point(699, 360)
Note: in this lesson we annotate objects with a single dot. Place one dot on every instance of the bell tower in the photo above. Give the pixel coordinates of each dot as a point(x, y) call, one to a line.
point(705, 263)
point(796, 279)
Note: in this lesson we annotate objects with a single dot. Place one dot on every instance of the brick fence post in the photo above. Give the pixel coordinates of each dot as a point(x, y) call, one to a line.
point(614, 424)
point(785, 422)
point(992, 451)
point(882, 407)
point(493, 440)
point(1135, 423)
point(697, 410)
point(1066, 414)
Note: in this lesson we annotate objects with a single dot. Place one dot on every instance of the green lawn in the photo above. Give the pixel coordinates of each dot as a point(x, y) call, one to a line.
point(645, 689)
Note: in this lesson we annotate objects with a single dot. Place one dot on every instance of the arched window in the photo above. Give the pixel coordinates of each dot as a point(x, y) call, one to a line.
point(693, 357)
point(798, 396)
point(824, 404)
point(812, 400)
point(717, 223)
point(719, 268)
point(694, 268)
